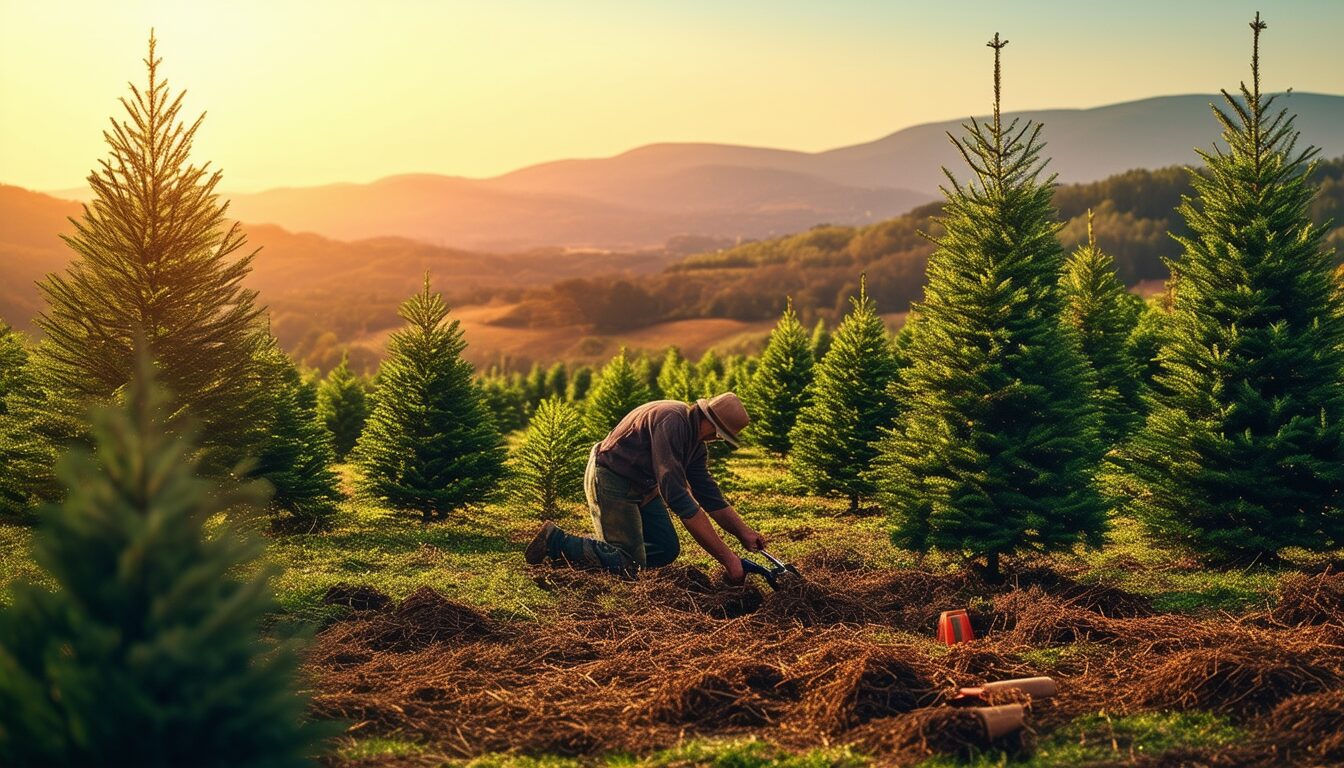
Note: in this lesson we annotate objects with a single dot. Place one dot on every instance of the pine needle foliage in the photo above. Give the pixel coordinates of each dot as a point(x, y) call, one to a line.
point(342, 407)
point(1102, 315)
point(13, 364)
point(618, 390)
point(835, 437)
point(1243, 452)
point(148, 650)
point(547, 467)
point(778, 390)
point(430, 445)
point(996, 444)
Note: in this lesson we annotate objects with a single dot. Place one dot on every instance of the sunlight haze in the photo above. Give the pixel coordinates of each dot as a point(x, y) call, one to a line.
point(306, 93)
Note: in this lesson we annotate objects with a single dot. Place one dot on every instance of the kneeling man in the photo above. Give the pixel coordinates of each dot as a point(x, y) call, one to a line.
point(652, 461)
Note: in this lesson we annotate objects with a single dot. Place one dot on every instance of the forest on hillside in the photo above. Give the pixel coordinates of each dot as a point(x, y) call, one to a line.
point(1134, 220)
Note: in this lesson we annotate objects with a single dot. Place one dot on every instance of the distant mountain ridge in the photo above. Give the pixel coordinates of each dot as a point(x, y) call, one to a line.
point(644, 196)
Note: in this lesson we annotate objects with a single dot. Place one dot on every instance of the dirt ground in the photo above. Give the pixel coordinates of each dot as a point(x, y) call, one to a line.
point(844, 657)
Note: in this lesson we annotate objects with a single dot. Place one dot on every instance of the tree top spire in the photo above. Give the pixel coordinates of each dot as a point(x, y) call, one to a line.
point(1091, 237)
point(1257, 26)
point(998, 46)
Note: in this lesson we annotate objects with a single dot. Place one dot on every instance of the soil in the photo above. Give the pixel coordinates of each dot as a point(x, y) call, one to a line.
point(845, 656)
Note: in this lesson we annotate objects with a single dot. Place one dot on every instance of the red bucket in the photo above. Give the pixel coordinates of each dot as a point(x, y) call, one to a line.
point(955, 627)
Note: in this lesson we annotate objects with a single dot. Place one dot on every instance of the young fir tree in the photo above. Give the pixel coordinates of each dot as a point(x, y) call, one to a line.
point(296, 455)
point(675, 378)
point(342, 407)
point(506, 401)
point(617, 392)
point(548, 466)
point(534, 386)
point(778, 389)
point(835, 437)
point(430, 444)
point(1242, 454)
point(709, 374)
point(557, 380)
point(579, 384)
point(647, 373)
point(142, 645)
point(1100, 310)
point(997, 441)
point(821, 339)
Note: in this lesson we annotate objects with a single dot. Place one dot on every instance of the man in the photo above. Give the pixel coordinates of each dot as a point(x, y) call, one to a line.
point(653, 461)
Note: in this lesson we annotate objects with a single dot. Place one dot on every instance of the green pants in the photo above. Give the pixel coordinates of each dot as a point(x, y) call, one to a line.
point(630, 531)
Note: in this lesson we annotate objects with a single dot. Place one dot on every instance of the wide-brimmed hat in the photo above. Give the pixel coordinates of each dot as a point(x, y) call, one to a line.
point(727, 415)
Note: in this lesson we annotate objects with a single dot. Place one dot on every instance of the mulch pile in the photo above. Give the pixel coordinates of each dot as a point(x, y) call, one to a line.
point(844, 657)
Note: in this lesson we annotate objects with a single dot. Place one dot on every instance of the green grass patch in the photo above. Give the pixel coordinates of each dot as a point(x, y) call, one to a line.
point(378, 746)
point(745, 753)
point(1098, 737)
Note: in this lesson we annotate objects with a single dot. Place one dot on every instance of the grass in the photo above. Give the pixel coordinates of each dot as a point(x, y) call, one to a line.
point(476, 557)
point(1098, 737)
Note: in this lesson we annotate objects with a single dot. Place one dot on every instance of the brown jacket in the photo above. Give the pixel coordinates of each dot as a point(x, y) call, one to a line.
point(657, 447)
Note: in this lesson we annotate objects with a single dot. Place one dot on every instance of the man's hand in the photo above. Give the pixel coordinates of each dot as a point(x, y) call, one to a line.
point(735, 575)
point(753, 541)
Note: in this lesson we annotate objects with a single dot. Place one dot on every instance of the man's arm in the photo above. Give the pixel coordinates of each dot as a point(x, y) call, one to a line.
point(730, 521)
point(702, 530)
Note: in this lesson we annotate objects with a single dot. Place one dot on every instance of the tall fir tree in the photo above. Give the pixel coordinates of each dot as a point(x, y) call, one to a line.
point(430, 445)
point(296, 455)
point(547, 467)
point(342, 407)
point(778, 390)
point(154, 257)
point(997, 440)
point(1243, 452)
point(1102, 315)
point(148, 649)
point(676, 379)
point(835, 437)
point(506, 401)
point(618, 390)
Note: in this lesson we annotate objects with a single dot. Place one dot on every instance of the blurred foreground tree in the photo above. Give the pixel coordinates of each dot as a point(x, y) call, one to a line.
point(147, 651)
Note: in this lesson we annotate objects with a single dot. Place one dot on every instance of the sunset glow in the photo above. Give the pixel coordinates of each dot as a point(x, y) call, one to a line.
point(303, 93)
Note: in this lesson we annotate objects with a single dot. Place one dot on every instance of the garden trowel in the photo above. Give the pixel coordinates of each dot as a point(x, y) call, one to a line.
point(778, 572)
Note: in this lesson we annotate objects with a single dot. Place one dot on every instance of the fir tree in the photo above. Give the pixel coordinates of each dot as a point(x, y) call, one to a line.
point(147, 650)
point(430, 444)
point(506, 401)
point(1144, 344)
point(296, 455)
point(342, 407)
point(548, 466)
point(557, 380)
point(154, 255)
point(1242, 454)
point(835, 437)
point(1099, 309)
point(821, 339)
point(534, 386)
point(777, 392)
point(997, 442)
point(617, 392)
point(579, 384)
point(709, 374)
point(675, 378)
point(647, 373)
point(13, 364)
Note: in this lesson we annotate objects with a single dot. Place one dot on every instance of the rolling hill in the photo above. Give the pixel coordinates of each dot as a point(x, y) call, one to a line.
point(642, 197)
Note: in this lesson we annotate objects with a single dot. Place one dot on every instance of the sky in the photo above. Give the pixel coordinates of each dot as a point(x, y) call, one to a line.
point(303, 93)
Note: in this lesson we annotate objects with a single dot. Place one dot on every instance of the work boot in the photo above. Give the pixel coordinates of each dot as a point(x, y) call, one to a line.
point(541, 547)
